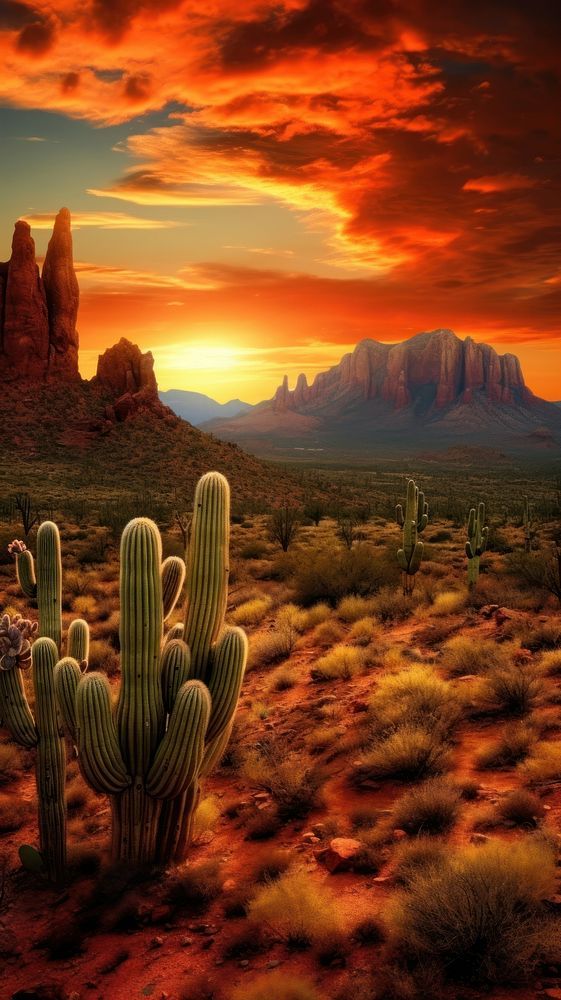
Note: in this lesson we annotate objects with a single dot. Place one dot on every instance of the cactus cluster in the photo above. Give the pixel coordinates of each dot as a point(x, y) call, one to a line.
point(413, 521)
point(478, 534)
point(177, 699)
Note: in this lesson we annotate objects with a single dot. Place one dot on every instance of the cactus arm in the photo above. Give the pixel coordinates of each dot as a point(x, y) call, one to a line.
point(25, 571)
point(49, 582)
point(51, 760)
point(399, 515)
point(179, 755)
point(214, 750)
point(175, 632)
point(67, 678)
point(175, 664)
point(228, 668)
point(416, 558)
point(173, 578)
point(15, 710)
point(207, 569)
point(79, 641)
point(140, 712)
point(98, 747)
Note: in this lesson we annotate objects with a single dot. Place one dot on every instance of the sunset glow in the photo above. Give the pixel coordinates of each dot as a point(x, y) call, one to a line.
point(255, 187)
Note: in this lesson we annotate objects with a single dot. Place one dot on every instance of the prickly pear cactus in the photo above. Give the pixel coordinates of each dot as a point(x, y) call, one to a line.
point(176, 700)
point(476, 544)
point(413, 521)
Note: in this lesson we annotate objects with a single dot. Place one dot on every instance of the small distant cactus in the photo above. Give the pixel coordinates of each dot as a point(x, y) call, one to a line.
point(44, 733)
point(43, 583)
point(413, 522)
point(176, 702)
point(478, 535)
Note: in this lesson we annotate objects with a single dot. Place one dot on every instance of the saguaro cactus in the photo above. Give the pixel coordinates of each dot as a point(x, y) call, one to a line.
point(44, 584)
point(176, 703)
point(476, 544)
point(44, 732)
point(413, 522)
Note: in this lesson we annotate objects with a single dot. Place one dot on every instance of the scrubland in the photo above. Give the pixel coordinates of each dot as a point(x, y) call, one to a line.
point(385, 823)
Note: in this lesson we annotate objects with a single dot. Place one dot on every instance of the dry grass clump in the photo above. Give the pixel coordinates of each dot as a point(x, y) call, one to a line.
point(341, 663)
point(279, 642)
point(432, 808)
point(252, 612)
point(407, 754)
point(419, 855)
point(479, 914)
point(102, 656)
point(415, 696)
point(468, 654)
point(284, 678)
point(363, 631)
point(14, 813)
point(447, 602)
point(521, 807)
point(193, 887)
point(543, 764)
point(550, 663)
point(514, 689)
point(391, 606)
point(278, 985)
point(297, 909)
point(292, 779)
point(514, 745)
point(206, 816)
point(351, 608)
point(328, 633)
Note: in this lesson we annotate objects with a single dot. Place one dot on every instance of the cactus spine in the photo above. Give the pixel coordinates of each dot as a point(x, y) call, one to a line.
point(412, 522)
point(45, 734)
point(176, 701)
point(476, 544)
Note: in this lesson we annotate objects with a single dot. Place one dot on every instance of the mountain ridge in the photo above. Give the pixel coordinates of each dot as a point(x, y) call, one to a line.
point(432, 389)
point(197, 407)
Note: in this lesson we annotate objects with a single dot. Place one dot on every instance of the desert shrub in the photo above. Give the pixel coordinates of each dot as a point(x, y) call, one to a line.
point(389, 606)
point(280, 985)
point(448, 602)
point(466, 654)
point(291, 778)
point(102, 656)
point(371, 855)
point(418, 855)
point(329, 575)
point(513, 746)
point(521, 807)
point(251, 612)
point(85, 606)
point(479, 913)
point(545, 635)
point(341, 663)
point(328, 633)
point(416, 696)
point(206, 816)
point(363, 632)
point(431, 808)
point(513, 689)
point(543, 764)
point(317, 614)
point(297, 909)
point(255, 549)
point(269, 863)
point(352, 607)
point(408, 753)
point(193, 887)
point(284, 678)
point(550, 663)
point(10, 763)
point(324, 738)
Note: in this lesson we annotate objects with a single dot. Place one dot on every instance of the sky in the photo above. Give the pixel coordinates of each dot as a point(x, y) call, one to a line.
point(256, 186)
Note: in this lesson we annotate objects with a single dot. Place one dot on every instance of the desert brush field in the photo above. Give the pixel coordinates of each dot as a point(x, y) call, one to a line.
point(384, 822)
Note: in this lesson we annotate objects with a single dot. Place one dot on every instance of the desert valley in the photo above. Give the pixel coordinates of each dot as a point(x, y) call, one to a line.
point(279, 731)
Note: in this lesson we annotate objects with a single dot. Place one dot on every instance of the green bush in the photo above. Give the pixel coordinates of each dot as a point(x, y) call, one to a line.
point(331, 574)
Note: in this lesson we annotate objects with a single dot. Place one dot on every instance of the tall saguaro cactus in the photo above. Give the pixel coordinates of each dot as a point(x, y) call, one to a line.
point(42, 581)
point(413, 521)
point(44, 733)
point(476, 544)
point(176, 704)
point(527, 524)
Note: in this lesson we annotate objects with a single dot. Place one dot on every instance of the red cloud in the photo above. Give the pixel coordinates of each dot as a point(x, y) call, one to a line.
point(500, 182)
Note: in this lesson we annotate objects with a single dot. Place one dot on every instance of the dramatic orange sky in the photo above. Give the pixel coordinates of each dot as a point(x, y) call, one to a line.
point(255, 186)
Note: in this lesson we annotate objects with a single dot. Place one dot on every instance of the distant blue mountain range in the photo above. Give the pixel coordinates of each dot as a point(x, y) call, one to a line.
point(198, 408)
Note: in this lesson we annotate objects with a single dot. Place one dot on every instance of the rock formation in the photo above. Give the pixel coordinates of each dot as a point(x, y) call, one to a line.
point(38, 338)
point(127, 375)
point(437, 366)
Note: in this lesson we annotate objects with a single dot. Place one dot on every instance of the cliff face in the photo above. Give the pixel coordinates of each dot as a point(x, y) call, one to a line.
point(437, 366)
point(38, 337)
point(127, 375)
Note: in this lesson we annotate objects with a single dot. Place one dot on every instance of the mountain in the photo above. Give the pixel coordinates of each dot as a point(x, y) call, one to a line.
point(198, 408)
point(433, 390)
point(64, 437)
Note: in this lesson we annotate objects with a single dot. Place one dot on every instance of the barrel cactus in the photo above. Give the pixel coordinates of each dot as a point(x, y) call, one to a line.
point(177, 698)
point(412, 522)
point(476, 544)
point(42, 582)
point(43, 733)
